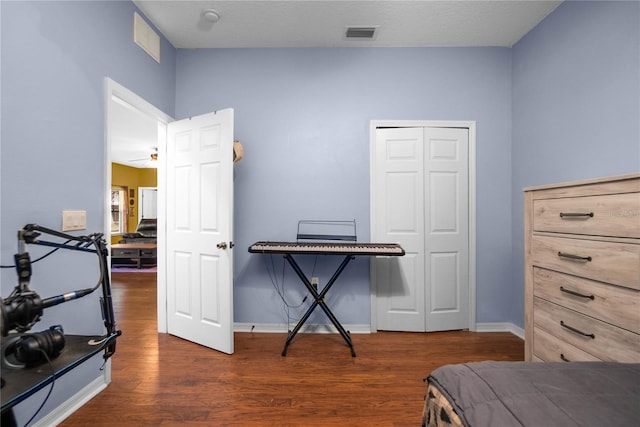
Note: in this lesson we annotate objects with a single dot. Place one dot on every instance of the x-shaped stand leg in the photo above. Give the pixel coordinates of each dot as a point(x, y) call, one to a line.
point(318, 300)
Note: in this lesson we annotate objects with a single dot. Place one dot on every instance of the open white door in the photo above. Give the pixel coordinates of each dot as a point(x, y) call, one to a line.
point(199, 229)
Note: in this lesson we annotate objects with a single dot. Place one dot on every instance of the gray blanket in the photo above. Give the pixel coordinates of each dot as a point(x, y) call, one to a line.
point(502, 394)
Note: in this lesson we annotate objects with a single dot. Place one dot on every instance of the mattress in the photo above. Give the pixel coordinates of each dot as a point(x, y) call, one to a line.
point(533, 394)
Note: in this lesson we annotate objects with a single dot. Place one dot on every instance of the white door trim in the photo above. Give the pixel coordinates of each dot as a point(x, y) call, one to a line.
point(114, 89)
point(471, 125)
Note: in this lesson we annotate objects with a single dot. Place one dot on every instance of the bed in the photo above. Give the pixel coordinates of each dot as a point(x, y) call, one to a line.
point(530, 394)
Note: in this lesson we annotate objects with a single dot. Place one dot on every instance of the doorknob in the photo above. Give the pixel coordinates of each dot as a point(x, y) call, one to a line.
point(222, 245)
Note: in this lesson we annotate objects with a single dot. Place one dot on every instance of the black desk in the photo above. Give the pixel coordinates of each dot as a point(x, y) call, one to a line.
point(349, 250)
point(20, 383)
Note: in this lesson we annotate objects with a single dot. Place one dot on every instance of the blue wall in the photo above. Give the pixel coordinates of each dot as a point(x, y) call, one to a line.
point(576, 105)
point(303, 116)
point(55, 57)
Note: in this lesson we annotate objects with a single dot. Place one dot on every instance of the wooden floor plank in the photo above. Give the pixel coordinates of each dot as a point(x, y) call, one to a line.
point(161, 380)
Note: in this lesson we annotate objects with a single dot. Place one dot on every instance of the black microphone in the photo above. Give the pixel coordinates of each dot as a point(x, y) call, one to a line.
point(22, 311)
point(59, 299)
point(19, 312)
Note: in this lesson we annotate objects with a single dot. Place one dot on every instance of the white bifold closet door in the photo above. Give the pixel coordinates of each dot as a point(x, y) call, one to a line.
point(421, 188)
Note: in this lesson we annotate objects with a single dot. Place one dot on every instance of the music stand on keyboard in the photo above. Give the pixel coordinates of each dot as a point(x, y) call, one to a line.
point(324, 244)
point(324, 230)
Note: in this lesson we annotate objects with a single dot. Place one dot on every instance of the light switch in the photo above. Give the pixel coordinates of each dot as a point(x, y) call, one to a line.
point(74, 220)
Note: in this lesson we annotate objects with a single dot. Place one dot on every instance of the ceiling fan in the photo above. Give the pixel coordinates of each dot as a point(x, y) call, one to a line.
point(150, 161)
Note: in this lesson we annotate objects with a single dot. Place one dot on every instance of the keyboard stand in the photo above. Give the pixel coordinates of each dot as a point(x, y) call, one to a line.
point(319, 301)
point(344, 244)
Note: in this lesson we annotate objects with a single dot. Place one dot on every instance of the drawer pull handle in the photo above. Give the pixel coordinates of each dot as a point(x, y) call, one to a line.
point(574, 257)
point(576, 214)
point(577, 331)
point(577, 294)
point(564, 359)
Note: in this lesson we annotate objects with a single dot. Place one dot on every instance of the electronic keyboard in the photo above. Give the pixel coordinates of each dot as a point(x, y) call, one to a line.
point(328, 248)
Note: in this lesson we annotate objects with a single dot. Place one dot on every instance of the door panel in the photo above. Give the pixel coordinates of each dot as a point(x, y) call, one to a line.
point(399, 185)
point(182, 261)
point(404, 209)
point(447, 237)
point(398, 307)
point(443, 204)
point(199, 273)
point(209, 271)
point(444, 272)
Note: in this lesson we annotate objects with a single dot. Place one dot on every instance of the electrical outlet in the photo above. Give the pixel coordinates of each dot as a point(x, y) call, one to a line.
point(314, 282)
point(74, 220)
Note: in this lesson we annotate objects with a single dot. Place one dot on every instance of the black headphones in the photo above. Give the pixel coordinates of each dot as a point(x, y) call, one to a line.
point(27, 350)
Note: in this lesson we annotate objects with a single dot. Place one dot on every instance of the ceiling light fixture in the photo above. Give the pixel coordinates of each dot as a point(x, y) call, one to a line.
point(210, 15)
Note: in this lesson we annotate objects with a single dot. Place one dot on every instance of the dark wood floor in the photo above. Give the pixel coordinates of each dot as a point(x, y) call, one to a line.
point(161, 380)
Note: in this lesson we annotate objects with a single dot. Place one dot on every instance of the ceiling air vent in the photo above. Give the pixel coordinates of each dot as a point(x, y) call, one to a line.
point(361, 33)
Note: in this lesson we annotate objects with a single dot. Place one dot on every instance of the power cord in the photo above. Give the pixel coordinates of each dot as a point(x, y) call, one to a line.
point(280, 289)
point(37, 259)
point(53, 382)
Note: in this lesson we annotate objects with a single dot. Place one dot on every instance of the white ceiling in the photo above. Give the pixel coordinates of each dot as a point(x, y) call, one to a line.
point(133, 135)
point(320, 23)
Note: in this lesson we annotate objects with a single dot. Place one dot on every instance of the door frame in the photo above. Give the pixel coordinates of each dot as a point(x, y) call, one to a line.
point(114, 89)
point(467, 124)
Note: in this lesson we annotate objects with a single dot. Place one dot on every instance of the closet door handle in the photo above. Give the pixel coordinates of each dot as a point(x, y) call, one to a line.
point(577, 331)
point(577, 294)
point(574, 257)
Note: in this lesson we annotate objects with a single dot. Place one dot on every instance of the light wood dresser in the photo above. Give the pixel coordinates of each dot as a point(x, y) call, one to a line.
point(582, 270)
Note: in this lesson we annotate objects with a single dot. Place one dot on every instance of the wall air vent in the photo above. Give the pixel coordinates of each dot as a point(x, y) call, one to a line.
point(145, 37)
point(361, 33)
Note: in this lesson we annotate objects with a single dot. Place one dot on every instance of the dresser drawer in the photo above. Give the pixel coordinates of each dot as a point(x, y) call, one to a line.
point(612, 304)
point(616, 215)
point(551, 349)
point(611, 262)
point(148, 253)
point(602, 340)
point(124, 253)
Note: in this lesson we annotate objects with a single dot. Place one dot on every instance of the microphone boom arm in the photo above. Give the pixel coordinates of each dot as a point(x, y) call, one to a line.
point(23, 307)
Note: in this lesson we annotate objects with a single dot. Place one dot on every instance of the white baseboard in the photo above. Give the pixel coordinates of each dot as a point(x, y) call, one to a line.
point(282, 328)
point(361, 329)
point(75, 402)
point(500, 327)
